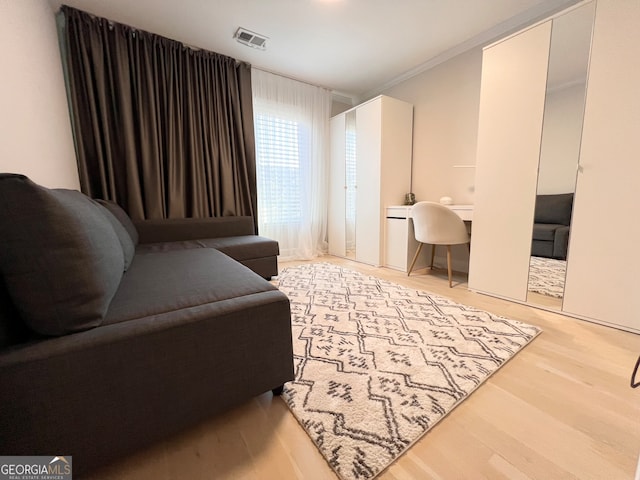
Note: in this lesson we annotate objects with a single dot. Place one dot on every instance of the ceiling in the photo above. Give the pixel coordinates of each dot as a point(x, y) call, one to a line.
point(354, 47)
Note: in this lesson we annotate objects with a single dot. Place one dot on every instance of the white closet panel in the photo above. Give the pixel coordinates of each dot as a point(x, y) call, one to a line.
point(512, 97)
point(603, 281)
point(368, 158)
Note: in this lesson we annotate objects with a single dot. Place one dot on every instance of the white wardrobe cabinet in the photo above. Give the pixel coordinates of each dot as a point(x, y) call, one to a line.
point(370, 169)
point(601, 282)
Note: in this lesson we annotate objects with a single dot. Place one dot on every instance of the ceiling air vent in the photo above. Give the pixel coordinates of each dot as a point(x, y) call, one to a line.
point(251, 39)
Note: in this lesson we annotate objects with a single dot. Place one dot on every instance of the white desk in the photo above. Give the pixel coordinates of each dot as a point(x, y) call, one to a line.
point(400, 242)
point(465, 212)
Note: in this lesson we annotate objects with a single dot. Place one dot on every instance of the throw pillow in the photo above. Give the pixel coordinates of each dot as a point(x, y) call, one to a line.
point(128, 248)
point(60, 258)
point(123, 217)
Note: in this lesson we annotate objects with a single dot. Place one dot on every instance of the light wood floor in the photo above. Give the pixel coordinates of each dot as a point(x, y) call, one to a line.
point(561, 409)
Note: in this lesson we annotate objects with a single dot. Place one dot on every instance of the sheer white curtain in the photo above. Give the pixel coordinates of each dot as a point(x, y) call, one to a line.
point(292, 146)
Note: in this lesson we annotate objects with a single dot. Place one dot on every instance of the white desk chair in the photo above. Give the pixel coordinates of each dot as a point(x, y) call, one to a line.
point(437, 225)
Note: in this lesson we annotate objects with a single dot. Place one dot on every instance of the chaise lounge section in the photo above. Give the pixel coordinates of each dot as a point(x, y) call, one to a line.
point(110, 342)
point(232, 236)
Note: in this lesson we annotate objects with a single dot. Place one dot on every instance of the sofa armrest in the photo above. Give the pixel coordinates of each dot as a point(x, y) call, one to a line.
point(178, 229)
point(561, 243)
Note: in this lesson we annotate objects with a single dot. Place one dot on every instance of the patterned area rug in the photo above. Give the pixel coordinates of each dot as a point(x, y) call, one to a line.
point(546, 276)
point(377, 365)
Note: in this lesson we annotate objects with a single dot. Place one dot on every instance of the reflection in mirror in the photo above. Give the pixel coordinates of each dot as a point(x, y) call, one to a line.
point(350, 184)
point(559, 154)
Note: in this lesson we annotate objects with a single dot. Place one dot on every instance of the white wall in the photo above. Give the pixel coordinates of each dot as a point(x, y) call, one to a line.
point(445, 126)
point(338, 107)
point(35, 132)
point(446, 102)
point(560, 149)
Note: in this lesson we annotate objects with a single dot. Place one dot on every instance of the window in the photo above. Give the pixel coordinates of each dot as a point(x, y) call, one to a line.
point(280, 169)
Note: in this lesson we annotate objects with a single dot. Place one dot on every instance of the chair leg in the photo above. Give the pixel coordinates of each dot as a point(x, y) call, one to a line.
point(433, 254)
point(415, 257)
point(449, 263)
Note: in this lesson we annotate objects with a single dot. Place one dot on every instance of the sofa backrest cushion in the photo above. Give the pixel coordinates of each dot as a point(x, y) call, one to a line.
point(59, 256)
point(122, 216)
point(128, 247)
point(555, 208)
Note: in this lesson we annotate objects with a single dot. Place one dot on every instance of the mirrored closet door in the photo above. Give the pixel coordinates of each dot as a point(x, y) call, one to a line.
point(559, 154)
point(350, 182)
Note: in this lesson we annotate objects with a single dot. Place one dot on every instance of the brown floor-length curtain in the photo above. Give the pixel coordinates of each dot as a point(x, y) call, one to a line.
point(164, 130)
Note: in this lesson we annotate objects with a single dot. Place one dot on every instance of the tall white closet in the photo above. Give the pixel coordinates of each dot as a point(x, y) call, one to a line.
point(381, 131)
point(602, 282)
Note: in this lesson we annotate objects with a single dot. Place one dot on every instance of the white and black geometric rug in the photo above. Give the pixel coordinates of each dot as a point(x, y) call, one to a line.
point(377, 365)
point(546, 276)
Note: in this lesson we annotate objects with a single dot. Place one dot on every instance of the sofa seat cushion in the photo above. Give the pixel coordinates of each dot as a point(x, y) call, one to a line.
point(545, 231)
point(161, 282)
point(241, 248)
point(541, 248)
point(60, 258)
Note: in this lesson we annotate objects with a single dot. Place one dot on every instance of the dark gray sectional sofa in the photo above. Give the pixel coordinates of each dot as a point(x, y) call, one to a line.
point(115, 335)
point(551, 222)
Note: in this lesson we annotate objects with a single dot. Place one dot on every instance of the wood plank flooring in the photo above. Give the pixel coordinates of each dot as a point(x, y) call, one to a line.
point(561, 409)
